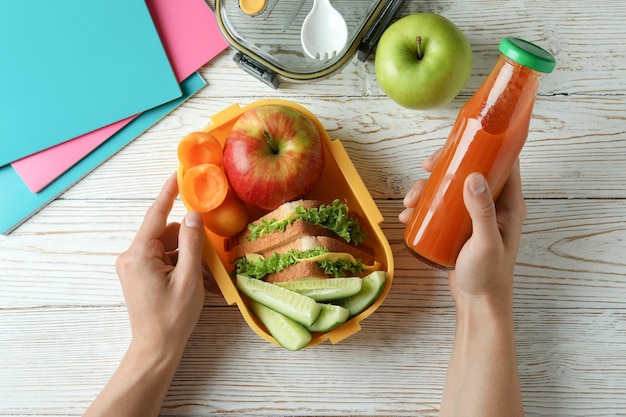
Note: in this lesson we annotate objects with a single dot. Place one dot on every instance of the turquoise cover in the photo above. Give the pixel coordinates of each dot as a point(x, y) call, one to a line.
point(71, 67)
point(18, 203)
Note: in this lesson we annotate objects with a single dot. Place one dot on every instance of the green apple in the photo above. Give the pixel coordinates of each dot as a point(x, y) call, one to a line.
point(423, 60)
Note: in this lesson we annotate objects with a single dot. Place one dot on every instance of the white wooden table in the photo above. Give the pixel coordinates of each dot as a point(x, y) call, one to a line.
point(63, 322)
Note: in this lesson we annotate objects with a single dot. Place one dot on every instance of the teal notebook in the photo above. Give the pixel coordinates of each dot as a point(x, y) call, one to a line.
point(71, 67)
point(18, 203)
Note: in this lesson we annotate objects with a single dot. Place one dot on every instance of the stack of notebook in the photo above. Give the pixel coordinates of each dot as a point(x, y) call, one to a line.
point(80, 80)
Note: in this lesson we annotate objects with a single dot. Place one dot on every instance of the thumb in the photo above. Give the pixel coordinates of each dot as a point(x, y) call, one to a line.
point(190, 244)
point(480, 205)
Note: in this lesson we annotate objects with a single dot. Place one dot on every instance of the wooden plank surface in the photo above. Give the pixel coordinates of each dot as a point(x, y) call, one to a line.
point(63, 323)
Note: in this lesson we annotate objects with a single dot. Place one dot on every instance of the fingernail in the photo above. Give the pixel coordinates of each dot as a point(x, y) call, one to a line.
point(477, 185)
point(193, 219)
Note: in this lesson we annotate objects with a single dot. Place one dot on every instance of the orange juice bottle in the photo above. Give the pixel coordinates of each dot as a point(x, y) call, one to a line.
point(487, 137)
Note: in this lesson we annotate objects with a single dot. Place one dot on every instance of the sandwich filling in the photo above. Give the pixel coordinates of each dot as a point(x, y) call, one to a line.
point(303, 239)
point(333, 216)
point(336, 264)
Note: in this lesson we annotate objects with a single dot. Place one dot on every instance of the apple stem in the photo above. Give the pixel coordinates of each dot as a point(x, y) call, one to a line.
point(270, 142)
point(418, 40)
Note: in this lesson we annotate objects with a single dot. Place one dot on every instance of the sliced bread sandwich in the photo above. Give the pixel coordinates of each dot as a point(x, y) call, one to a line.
point(303, 239)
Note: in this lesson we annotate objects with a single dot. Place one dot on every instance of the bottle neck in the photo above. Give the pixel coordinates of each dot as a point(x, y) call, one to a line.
point(507, 95)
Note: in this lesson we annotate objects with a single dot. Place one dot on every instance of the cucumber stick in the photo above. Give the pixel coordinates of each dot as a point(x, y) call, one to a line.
point(288, 333)
point(325, 289)
point(372, 286)
point(300, 308)
point(330, 317)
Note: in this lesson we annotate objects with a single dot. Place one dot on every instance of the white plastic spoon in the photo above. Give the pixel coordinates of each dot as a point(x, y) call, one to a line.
point(324, 31)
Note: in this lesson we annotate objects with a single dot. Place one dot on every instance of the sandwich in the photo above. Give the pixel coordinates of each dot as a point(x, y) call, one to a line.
point(303, 239)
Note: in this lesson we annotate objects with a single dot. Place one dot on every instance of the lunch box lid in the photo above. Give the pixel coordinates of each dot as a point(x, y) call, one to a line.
point(268, 42)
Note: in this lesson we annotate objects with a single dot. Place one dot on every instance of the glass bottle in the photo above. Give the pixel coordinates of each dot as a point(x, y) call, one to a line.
point(487, 137)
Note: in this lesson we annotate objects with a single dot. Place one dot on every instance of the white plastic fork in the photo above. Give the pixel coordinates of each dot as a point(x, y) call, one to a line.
point(324, 31)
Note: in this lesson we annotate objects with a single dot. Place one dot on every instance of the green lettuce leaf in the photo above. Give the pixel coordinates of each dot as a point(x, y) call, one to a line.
point(277, 262)
point(342, 268)
point(333, 216)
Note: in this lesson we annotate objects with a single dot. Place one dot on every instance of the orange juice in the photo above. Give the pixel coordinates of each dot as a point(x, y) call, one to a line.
point(487, 137)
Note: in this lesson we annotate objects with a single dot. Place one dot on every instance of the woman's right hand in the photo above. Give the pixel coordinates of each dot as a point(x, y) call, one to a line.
point(482, 374)
point(484, 268)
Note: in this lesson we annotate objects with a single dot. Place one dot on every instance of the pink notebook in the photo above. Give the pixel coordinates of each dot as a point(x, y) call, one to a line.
point(190, 36)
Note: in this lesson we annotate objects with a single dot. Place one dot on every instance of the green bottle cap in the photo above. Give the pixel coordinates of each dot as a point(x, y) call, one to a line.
point(527, 54)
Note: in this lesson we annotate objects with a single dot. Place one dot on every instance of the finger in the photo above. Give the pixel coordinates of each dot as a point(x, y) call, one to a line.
point(171, 257)
point(481, 208)
point(153, 224)
point(429, 163)
point(410, 199)
point(190, 244)
point(510, 206)
point(405, 215)
point(170, 236)
point(511, 197)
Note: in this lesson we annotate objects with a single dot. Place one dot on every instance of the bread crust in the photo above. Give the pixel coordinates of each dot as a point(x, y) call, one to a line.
point(270, 241)
point(282, 212)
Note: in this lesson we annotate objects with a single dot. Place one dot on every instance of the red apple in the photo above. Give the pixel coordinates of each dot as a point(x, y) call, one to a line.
point(273, 154)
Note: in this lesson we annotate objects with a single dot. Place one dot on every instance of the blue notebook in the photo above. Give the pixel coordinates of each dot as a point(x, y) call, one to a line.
point(71, 67)
point(18, 203)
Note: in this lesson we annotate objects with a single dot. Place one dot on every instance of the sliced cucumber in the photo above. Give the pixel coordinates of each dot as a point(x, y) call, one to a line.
point(325, 289)
point(373, 284)
point(298, 307)
point(288, 333)
point(330, 317)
